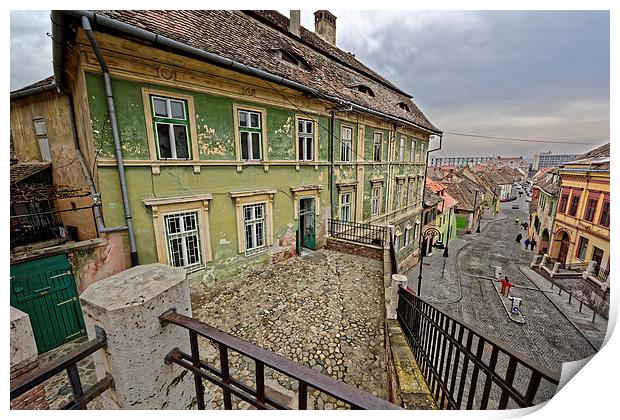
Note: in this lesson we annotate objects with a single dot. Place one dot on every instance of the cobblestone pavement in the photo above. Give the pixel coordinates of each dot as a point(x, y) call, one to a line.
point(324, 310)
point(58, 388)
point(547, 337)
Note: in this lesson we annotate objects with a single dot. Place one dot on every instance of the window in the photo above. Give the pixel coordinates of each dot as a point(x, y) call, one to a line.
point(345, 144)
point(563, 201)
point(407, 235)
point(401, 150)
point(604, 218)
point(378, 147)
point(375, 199)
point(415, 230)
point(305, 132)
point(250, 135)
point(397, 241)
point(171, 127)
point(183, 240)
point(591, 206)
point(574, 203)
point(40, 129)
point(410, 192)
point(422, 148)
point(365, 89)
point(412, 152)
point(345, 207)
point(254, 228)
point(420, 189)
point(582, 248)
point(399, 194)
point(403, 106)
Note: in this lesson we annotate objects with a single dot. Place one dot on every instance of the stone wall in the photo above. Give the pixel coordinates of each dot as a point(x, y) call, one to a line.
point(347, 247)
point(23, 360)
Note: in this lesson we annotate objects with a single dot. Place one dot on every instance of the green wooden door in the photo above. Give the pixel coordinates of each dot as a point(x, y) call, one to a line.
point(45, 290)
point(307, 222)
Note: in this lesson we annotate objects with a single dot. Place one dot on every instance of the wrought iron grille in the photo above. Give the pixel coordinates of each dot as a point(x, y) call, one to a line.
point(262, 358)
point(465, 369)
point(363, 233)
point(68, 363)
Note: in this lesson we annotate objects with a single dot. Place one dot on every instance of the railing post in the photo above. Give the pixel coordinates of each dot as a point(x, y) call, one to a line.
point(398, 280)
point(127, 307)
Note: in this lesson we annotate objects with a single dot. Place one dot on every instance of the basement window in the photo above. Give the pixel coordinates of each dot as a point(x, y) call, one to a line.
point(365, 89)
point(403, 106)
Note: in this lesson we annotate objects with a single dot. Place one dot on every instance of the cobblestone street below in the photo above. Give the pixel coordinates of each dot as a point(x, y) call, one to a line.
point(324, 310)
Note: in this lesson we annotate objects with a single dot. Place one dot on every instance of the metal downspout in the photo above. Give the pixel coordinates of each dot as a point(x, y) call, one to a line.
point(420, 233)
point(117, 141)
point(332, 185)
point(89, 179)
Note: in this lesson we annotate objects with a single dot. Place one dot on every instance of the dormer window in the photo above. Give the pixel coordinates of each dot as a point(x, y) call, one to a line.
point(365, 89)
point(404, 106)
point(294, 59)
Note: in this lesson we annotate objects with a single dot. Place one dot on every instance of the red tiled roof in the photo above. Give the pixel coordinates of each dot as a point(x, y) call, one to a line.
point(226, 33)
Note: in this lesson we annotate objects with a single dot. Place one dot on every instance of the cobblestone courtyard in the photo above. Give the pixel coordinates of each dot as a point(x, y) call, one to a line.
point(324, 310)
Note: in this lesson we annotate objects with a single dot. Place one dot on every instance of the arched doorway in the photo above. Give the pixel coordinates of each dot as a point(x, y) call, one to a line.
point(543, 245)
point(564, 245)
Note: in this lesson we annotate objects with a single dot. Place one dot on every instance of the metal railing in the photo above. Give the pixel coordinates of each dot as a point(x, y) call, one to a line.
point(601, 274)
point(34, 228)
point(256, 396)
point(363, 233)
point(67, 363)
point(465, 369)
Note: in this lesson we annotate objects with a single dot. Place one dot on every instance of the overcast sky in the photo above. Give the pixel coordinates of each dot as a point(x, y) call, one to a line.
point(540, 75)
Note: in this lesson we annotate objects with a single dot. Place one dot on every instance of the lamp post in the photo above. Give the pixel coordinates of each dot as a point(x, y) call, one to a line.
point(445, 249)
point(428, 233)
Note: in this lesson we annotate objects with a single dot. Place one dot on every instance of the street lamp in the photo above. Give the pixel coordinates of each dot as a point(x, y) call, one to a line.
point(428, 233)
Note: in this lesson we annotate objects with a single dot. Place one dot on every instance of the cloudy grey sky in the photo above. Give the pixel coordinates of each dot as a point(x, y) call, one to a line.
point(523, 74)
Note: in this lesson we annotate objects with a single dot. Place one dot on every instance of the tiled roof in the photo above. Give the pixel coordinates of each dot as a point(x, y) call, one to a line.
point(45, 82)
point(598, 157)
point(431, 199)
point(440, 189)
point(464, 192)
point(22, 171)
point(226, 33)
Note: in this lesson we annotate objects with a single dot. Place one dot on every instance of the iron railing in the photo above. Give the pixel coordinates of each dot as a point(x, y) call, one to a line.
point(465, 369)
point(262, 358)
point(67, 363)
point(601, 274)
point(363, 233)
point(34, 228)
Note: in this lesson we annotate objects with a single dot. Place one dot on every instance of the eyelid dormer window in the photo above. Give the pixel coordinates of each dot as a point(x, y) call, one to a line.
point(365, 89)
point(293, 58)
point(403, 106)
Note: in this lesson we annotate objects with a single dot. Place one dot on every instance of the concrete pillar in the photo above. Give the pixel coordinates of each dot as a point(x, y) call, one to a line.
point(392, 301)
point(534, 261)
point(127, 307)
point(544, 259)
point(23, 350)
point(556, 267)
point(591, 267)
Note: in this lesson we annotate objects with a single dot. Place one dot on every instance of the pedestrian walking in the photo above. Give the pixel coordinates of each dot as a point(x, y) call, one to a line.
point(525, 225)
point(526, 243)
point(519, 236)
point(503, 282)
point(533, 243)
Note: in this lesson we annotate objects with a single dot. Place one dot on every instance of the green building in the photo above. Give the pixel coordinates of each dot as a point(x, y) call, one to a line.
point(236, 137)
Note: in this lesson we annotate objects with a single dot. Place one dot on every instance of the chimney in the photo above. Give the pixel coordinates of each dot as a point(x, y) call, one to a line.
point(325, 26)
point(294, 22)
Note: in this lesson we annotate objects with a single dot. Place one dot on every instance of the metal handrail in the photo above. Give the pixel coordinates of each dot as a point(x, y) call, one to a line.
point(356, 398)
point(363, 233)
point(68, 362)
point(433, 335)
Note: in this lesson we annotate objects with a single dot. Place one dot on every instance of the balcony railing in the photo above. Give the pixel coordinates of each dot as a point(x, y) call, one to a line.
point(67, 363)
point(256, 396)
point(465, 369)
point(32, 228)
point(362, 233)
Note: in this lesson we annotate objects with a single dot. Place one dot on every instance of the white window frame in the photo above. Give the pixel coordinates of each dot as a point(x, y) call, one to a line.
point(399, 194)
point(345, 206)
point(250, 130)
point(375, 200)
point(378, 140)
point(420, 189)
point(412, 151)
point(422, 147)
point(407, 235)
point(171, 123)
point(397, 236)
point(410, 193)
point(254, 223)
point(346, 141)
point(183, 234)
point(401, 150)
point(303, 137)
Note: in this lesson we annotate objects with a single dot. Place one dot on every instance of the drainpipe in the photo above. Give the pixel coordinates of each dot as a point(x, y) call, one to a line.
point(420, 233)
point(89, 179)
point(117, 140)
point(332, 186)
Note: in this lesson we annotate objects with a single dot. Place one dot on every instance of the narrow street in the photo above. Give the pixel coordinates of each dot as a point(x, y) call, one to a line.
point(547, 337)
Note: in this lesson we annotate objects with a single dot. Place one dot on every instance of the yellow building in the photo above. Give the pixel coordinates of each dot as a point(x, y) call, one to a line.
point(581, 228)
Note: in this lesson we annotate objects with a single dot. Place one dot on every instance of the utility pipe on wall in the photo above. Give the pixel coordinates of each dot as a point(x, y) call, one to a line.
point(117, 140)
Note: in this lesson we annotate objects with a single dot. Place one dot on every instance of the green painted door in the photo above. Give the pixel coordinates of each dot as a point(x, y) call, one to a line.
point(307, 222)
point(45, 290)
